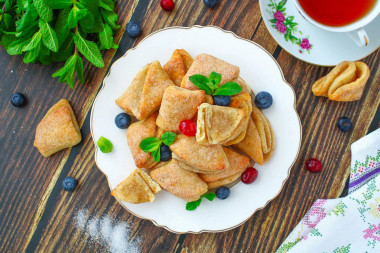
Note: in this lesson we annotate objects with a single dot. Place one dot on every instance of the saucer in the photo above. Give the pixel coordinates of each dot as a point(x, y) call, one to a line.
point(310, 43)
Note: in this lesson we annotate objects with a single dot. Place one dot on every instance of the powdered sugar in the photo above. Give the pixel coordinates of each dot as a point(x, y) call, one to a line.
point(110, 233)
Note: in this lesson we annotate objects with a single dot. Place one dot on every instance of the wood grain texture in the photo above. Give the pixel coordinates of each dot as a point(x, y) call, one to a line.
point(37, 216)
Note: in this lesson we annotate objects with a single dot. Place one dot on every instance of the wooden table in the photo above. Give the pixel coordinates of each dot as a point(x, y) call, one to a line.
point(36, 215)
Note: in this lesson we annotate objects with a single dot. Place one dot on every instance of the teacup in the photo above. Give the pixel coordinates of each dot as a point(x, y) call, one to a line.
point(354, 29)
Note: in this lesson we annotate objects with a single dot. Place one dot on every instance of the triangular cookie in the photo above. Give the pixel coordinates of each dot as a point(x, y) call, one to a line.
point(178, 65)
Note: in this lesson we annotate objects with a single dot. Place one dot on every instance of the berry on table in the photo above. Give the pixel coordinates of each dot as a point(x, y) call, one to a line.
point(188, 127)
point(69, 184)
point(211, 3)
point(344, 124)
point(313, 165)
point(166, 153)
point(18, 100)
point(249, 175)
point(167, 5)
point(222, 100)
point(133, 29)
point(122, 120)
point(222, 192)
point(263, 100)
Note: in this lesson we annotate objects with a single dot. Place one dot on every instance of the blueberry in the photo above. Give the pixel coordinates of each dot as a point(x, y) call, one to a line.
point(222, 192)
point(122, 120)
point(222, 100)
point(211, 3)
point(18, 100)
point(263, 100)
point(344, 124)
point(166, 153)
point(69, 184)
point(133, 29)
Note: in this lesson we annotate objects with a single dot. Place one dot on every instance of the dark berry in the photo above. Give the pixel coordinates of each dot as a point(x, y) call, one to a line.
point(188, 127)
point(222, 192)
point(249, 175)
point(166, 153)
point(211, 3)
point(263, 100)
point(18, 100)
point(167, 5)
point(344, 124)
point(69, 184)
point(222, 100)
point(133, 29)
point(313, 165)
point(122, 120)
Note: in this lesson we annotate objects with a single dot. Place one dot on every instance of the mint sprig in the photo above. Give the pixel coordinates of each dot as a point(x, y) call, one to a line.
point(153, 144)
point(211, 85)
point(190, 206)
point(104, 145)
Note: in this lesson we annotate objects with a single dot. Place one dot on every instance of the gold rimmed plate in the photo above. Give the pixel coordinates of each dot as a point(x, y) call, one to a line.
point(262, 73)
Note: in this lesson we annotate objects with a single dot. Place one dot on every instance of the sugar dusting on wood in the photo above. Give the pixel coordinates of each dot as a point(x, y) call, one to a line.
point(109, 232)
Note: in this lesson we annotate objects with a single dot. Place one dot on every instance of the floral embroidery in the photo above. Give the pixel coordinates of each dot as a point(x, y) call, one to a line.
point(286, 26)
point(375, 208)
point(287, 246)
point(315, 232)
point(372, 233)
point(339, 209)
point(314, 216)
point(343, 249)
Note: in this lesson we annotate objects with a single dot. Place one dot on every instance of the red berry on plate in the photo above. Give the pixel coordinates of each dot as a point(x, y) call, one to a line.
point(249, 175)
point(167, 5)
point(188, 127)
point(313, 165)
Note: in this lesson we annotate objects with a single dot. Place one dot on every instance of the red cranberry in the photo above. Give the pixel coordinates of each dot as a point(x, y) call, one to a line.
point(167, 5)
point(249, 175)
point(313, 165)
point(188, 127)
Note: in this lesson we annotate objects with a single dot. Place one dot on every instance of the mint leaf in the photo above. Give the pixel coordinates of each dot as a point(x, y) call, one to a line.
point(168, 138)
point(104, 145)
point(79, 69)
point(105, 37)
point(107, 5)
point(190, 206)
point(35, 41)
point(110, 18)
point(61, 27)
point(202, 83)
point(215, 78)
point(70, 63)
point(228, 89)
point(157, 154)
point(89, 49)
point(32, 55)
point(76, 14)
point(66, 49)
point(15, 48)
point(49, 37)
point(209, 195)
point(27, 19)
point(59, 4)
point(43, 10)
point(150, 144)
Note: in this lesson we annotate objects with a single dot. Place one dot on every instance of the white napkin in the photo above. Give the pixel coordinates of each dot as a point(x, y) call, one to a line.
point(349, 224)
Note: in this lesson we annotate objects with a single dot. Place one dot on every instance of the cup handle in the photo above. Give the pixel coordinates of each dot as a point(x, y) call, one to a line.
point(359, 36)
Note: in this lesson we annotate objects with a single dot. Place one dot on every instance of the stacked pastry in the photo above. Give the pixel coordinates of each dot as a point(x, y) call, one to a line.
point(227, 141)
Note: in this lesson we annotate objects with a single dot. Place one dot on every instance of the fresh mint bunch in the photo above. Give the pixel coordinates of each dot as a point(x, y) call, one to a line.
point(190, 206)
point(153, 144)
point(211, 85)
point(49, 31)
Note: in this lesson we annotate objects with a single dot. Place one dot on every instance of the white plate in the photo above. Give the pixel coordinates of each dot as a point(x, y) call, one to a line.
point(259, 69)
point(328, 48)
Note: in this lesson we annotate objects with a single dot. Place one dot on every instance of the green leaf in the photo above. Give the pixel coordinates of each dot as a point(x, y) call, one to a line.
point(202, 83)
point(76, 14)
point(32, 55)
point(150, 144)
point(190, 206)
point(70, 63)
point(89, 49)
point(281, 4)
point(156, 155)
point(27, 19)
point(61, 27)
point(7, 23)
point(23, 4)
point(106, 38)
point(79, 69)
point(104, 145)
point(36, 40)
point(282, 9)
point(15, 48)
point(43, 10)
point(273, 20)
point(110, 18)
point(293, 39)
point(228, 89)
point(65, 50)
point(286, 36)
point(209, 195)
point(291, 18)
point(49, 37)
point(7, 39)
point(215, 78)
point(107, 5)
point(45, 56)
point(168, 138)
point(59, 4)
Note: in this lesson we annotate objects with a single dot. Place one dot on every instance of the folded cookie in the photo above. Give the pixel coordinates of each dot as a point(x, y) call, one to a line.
point(137, 188)
point(345, 82)
point(244, 86)
point(144, 95)
point(178, 65)
point(218, 124)
point(57, 130)
point(237, 164)
point(198, 158)
point(178, 104)
point(138, 131)
point(204, 64)
point(182, 183)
